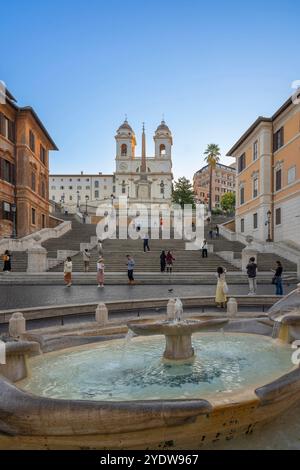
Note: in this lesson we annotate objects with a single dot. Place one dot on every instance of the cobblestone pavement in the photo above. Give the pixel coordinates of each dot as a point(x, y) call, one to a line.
point(37, 296)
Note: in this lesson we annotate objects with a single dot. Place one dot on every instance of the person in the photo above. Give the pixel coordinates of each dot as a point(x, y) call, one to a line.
point(100, 272)
point(252, 271)
point(222, 288)
point(204, 249)
point(210, 234)
point(146, 242)
point(163, 261)
point(100, 248)
point(68, 271)
point(169, 259)
point(217, 231)
point(86, 255)
point(130, 268)
point(7, 262)
point(277, 278)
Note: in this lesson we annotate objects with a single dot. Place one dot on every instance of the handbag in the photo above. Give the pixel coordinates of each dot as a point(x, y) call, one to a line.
point(274, 279)
point(225, 288)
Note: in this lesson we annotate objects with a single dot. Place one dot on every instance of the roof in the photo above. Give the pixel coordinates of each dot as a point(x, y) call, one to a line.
point(30, 110)
point(218, 165)
point(258, 121)
point(96, 175)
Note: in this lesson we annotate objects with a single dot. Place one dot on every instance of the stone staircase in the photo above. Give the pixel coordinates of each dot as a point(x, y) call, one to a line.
point(115, 253)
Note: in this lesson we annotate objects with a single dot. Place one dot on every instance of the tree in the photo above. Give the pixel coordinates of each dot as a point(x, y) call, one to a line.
point(212, 157)
point(183, 192)
point(228, 202)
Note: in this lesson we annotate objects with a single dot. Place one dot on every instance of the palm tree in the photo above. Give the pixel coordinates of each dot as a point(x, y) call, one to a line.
point(212, 157)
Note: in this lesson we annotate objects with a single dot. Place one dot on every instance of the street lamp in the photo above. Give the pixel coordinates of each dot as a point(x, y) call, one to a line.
point(14, 210)
point(162, 189)
point(268, 223)
point(86, 201)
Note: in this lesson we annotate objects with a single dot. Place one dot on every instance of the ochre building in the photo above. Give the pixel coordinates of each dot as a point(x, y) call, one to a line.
point(24, 170)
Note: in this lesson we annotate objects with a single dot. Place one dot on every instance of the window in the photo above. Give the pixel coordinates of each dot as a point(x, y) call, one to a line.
point(88, 179)
point(278, 139)
point(62, 187)
point(255, 150)
point(242, 162)
point(291, 174)
point(7, 128)
point(87, 187)
point(43, 189)
point(7, 213)
point(33, 214)
point(43, 221)
point(43, 154)
point(278, 216)
point(53, 188)
point(71, 187)
point(7, 171)
point(96, 194)
point(96, 184)
point(70, 198)
point(242, 225)
point(114, 189)
point(33, 181)
point(123, 150)
point(32, 141)
point(78, 179)
point(105, 187)
point(123, 190)
point(70, 179)
point(242, 195)
point(79, 187)
point(278, 175)
point(162, 150)
point(217, 198)
point(255, 187)
point(255, 220)
point(53, 198)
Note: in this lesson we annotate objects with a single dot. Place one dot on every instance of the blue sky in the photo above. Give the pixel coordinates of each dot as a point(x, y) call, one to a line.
point(210, 67)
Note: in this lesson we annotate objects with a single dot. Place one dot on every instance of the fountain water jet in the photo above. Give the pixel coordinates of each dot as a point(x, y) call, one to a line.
point(178, 332)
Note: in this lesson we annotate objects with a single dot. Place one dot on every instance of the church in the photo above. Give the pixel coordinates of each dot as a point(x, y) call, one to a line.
point(142, 179)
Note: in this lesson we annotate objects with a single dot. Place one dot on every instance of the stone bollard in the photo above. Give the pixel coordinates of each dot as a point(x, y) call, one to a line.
point(36, 257)
point(232, 307)
point(101, 314)
point(171, 309)
point(17, 325)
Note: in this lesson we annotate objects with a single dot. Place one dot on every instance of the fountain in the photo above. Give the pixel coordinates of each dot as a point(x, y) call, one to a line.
point(177, 331)
point(210, 378)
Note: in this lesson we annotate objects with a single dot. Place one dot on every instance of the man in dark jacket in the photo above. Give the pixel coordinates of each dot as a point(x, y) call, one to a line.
point(252, 271)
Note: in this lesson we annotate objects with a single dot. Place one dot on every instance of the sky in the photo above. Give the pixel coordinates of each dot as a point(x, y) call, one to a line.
point(211, 68)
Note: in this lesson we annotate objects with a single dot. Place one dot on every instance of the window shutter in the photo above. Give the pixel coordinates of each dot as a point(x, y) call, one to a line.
point(1, 124)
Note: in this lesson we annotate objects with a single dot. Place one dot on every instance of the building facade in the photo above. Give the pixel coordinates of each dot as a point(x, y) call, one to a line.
point(24, 170)
point(223, 181)
point(142, 179)
point(77, 190)
point(268, 176)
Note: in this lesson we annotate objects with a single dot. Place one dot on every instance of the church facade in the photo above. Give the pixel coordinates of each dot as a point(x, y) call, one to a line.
point(142, 179)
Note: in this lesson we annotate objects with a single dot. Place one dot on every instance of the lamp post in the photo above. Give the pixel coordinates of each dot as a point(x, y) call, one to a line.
point(268, 223)
point(14, 210)
point(162, 189)
point(86, 201)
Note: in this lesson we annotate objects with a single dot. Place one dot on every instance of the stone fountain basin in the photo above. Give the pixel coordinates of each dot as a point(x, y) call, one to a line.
point(146, 327)
point(28, 421)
